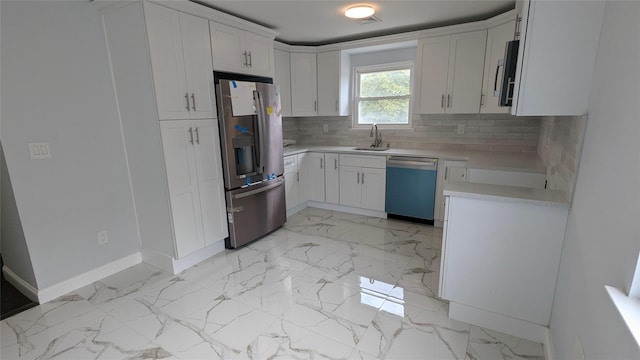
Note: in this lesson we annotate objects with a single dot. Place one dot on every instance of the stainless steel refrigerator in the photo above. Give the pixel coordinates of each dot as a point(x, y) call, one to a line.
point(251, 141)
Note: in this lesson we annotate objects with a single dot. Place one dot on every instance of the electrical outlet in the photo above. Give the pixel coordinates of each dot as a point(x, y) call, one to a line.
point(460, 129)
point(325, 128)
point(102, 237)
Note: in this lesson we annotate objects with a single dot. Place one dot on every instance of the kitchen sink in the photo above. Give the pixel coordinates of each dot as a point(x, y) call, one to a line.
point(371, 148)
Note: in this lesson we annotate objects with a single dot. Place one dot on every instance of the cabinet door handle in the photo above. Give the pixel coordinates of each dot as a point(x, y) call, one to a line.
point(186, 97)
point(250, 63)
point(336, 163)
point(197, 135)
point(244, 54)
point(336, 105)
point(298, 176)
point(449, 100)
point(358, 178)
point(442, 102)
point(509, 91)
point(191, 135)
point(481, 100)
point(193, 100)
point(363, 178)
point(446, 170)
point(315, 105)
point(321, 163)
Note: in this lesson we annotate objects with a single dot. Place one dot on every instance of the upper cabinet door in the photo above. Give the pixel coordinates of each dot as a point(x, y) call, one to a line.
point(167, 61)
point(329, 83)
point(497, 39)
point(283, 79)
point(433, 54)
point(227, 48)
point(466, 65)
point(198, 66)
point(259, 54)
point(304, 90)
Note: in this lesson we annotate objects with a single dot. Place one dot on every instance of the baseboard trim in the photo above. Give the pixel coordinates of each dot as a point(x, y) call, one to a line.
point(549, 354)
point(498, 322)
point(347, 209)
point(87, 278)
point(176, 266)
point(24, 287)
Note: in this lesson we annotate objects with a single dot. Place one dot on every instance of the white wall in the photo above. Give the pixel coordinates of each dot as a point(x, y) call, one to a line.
point(14, 247)
point(603, 232)
point(56, 87)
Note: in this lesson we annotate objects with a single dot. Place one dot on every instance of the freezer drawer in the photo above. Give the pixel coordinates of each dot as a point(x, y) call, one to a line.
point(255, 211)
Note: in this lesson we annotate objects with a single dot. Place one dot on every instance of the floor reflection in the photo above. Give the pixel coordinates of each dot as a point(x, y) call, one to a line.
point(373, 291)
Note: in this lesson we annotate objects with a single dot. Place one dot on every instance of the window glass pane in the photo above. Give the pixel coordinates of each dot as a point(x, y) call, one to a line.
point(385, 83)
point(383, 111)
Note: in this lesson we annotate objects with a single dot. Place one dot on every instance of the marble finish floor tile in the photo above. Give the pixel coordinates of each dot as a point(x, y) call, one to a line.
point(487, 344)
point(327, 285)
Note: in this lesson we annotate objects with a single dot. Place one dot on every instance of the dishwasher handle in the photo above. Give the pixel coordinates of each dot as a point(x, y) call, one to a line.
point(413, 163)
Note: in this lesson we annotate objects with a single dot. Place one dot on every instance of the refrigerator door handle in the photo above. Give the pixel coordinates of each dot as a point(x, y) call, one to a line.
point(257, 191)
point(261, 129)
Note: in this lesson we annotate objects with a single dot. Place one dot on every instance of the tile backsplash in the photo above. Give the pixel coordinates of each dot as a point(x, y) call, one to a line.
point(560, 145)
point(482, 132)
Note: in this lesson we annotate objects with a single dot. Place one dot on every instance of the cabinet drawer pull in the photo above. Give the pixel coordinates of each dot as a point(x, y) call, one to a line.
point(193, 100)
point(191, 135)
point(336, 163)
point(186, 97)
point(321, 163)
point(197, 135)
point(442, 102)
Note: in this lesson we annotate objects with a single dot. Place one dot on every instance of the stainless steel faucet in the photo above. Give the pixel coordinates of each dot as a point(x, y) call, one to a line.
point(376, 135)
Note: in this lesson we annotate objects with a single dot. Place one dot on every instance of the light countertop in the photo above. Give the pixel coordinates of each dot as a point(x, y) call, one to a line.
point(542, 197)
point(522, 162)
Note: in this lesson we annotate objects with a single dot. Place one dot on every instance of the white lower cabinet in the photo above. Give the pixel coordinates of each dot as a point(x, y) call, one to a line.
point(363, 181)
point(314, 165)
point(296, 180)
point(196, 187)
point(505, 289)
point(332, 178)
point(448, 171)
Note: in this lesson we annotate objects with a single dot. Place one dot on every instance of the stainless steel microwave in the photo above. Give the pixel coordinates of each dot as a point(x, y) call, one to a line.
point(509, 73)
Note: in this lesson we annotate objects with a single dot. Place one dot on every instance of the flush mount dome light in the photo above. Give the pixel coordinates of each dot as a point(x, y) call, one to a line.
point(359, 12)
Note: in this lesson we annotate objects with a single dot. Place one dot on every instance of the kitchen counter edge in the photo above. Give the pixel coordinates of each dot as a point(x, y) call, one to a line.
point(542, 197)
point(507, 161)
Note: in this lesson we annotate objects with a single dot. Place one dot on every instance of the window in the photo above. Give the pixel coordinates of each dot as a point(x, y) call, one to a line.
point(383, 95)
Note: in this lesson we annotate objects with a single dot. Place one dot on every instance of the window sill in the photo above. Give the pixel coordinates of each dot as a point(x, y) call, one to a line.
point(629, 309)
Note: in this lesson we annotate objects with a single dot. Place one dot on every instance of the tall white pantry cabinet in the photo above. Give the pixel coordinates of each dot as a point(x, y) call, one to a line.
point(163, 77)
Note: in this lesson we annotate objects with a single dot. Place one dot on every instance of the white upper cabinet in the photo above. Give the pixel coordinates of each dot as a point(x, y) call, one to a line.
point(239, 51)
point(466, 65)
point(556, 56)
point(181, 63)
point(433, 61)
point(450, 73)
point(497, 38)
point(283, 79)
point(304, 88)
point(333, 83)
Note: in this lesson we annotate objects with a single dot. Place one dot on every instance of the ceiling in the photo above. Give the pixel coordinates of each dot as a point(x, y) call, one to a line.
point(320, 22)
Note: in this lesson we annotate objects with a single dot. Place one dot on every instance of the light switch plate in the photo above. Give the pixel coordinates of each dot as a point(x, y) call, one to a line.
point(460, 129)
point(325, 128)
point(39, 151)
point(102, 237)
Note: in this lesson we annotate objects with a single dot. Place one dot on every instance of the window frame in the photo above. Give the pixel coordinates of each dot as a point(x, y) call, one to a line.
point(358, 70)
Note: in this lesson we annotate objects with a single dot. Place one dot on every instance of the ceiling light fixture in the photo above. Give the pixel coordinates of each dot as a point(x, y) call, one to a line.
point(359, 12)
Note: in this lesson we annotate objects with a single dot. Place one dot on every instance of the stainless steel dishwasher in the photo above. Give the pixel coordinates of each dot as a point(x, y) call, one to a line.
point(411, 187)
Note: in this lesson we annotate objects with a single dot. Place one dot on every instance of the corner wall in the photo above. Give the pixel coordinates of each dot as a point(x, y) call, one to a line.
point(57, 88)
point(602, 239)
